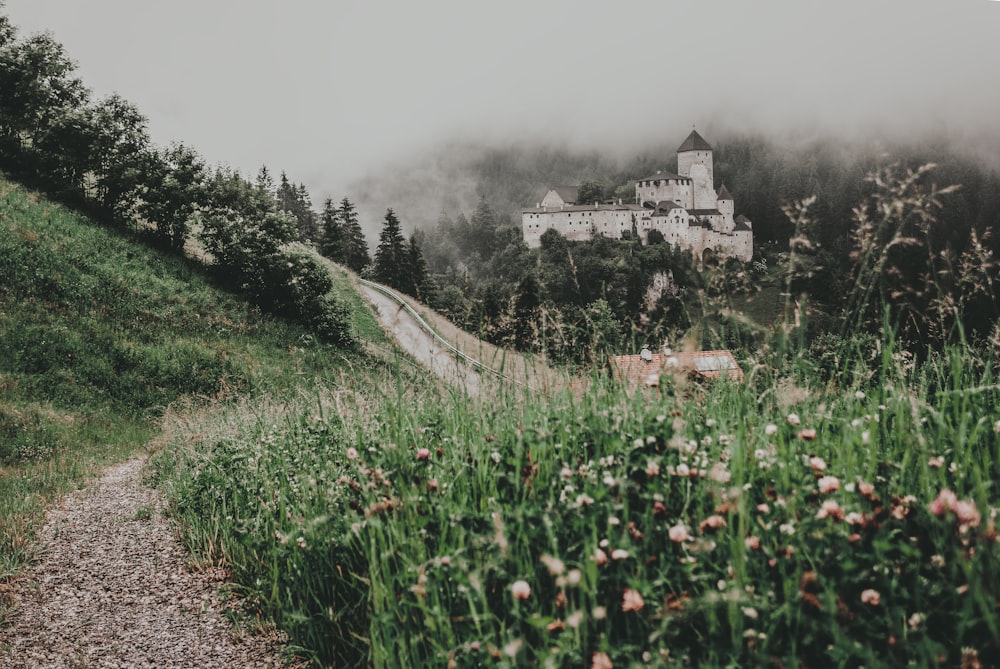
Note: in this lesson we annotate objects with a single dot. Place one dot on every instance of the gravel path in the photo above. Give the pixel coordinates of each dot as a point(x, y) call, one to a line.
point(110, 589)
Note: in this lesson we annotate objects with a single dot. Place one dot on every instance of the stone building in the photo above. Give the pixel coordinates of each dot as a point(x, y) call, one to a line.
point(684, 207)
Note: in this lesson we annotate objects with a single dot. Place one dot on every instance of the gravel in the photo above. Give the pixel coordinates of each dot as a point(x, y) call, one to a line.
point(111, 588)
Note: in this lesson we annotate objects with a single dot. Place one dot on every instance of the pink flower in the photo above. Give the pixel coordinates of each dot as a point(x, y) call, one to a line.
point(423, 453)
point(752, 543)
point(945, 501)
point(807, 434)
point(817, 463)
point(936, 463)
point(619, 554)
point(352, 453)
point(445, 561)
point(829, 484)
point(770, 429)
point(600, 557)
point(967, 514)
point(652, 468)
point(632, 600)
point(474, 645)
point(871, 597)
point(432, 485)
point(713, 522)
point(520, 589)
point(866, 489)
point(830, 509)
point(679, 533)
point(793, 419)
point(601, 661)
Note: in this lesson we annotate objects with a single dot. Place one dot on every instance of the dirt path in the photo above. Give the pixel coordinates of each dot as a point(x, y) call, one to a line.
point(111, 589)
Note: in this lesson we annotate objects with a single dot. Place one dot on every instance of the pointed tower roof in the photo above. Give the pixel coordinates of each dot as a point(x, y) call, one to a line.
point(724, 193)
point(694, 142)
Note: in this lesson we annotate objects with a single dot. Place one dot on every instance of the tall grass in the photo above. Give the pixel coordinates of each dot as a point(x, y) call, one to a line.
point(717, 525)
point(99, 335)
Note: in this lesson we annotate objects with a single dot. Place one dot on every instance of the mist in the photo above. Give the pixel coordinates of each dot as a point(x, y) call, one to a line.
point(340, 94)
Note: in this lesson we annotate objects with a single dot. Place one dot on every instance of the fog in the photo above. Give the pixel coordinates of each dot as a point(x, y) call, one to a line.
point(336, 92)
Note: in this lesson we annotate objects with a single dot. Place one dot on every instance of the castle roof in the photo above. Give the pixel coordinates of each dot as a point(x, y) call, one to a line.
point(582, 207)
point(665, 207)
point(706, 212)
point(742, 224)
point(567, 193)
point(665, 175)
point(694, 142)
point(724, 193)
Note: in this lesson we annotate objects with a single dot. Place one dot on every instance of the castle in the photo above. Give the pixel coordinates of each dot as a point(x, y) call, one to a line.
point(684, 207)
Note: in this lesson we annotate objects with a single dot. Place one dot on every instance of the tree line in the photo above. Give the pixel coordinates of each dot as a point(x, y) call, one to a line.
point(97, 156)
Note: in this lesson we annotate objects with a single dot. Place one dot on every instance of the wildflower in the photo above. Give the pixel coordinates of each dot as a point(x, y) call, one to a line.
point(679, 533)
point(866, 489)
point(352, 453)
point(817, 463)
point(967, 514)
point(574, 577)
point(609, 481)
point(807, 434)
point(996, 427)
point(474, 646)
point(599, 613)
point(614, 521)
point(770, 429)
point(970, 659)
point(713, 522)
point(871, 597)
point(601, 661)
point(937, 561)
point(554, 565)
point(830, 509)
point(866, 437)
point(432, 485)
point(555, 626)
point(683, 470)
point(445, 561)
point(752, 543)
point(659, 508)
point(719, 473)
point(423, 453)
point(859, 394)
point(787, 528)
point(512, 648)
point(583, 499)
point(945, 501)
point(632, 600)
point(600, 557)
point(619, 554)
point(652, 468)
point(566, 473)
point(495, 457)
point(750, 612)
point(710, 422)
point(763, 507)
point(916, 620)
point(574, 619)
point(301, 542)
point(520, 590)
point(854, 518)
point(829, 484)
point(936, 462)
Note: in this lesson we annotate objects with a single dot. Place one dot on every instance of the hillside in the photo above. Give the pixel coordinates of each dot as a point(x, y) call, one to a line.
point(102, 336)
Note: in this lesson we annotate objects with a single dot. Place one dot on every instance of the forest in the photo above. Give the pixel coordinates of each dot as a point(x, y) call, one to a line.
point(574, 302)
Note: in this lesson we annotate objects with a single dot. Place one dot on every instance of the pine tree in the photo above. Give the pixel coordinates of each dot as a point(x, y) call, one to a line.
point(419, 281)
point(391, 255)
point(356, 254)
point(333, 242)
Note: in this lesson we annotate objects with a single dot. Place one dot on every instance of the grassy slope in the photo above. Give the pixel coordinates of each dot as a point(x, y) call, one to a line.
point(98, 336)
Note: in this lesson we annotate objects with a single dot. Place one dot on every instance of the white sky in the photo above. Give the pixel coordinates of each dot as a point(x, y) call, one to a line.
point(332, 90)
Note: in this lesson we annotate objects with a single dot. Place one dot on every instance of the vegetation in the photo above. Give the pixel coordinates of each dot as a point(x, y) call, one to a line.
point(100, 336)
point(837, 508)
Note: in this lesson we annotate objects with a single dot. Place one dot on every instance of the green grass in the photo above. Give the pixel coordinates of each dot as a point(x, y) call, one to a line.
point(711, 505)
point(100, 336)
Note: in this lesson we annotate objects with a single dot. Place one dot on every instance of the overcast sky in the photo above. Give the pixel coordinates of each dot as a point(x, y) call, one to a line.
point(330, 90)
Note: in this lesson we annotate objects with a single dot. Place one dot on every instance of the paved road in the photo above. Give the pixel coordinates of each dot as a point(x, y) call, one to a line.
point(415, 338)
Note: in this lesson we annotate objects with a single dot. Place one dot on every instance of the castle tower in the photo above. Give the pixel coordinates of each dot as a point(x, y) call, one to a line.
point(694, 160)
point(726, 208)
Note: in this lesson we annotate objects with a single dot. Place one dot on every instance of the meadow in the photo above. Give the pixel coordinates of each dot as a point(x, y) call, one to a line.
point(820, 513)
point(784, 521)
